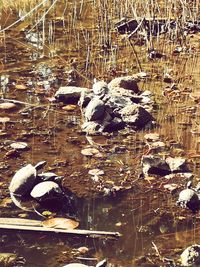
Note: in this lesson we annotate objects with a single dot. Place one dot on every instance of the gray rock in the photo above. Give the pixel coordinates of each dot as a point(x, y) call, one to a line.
point(95, 110)
point(191, 256)
point(91, 127)
point(85, 98)
point(46, 191)
point(177, 164)
point(70, 94)
point(100, 88)
point(23, 180)
point(154, 164)
point(118, 101)
point(135, 115)
point(188, 198)
point(126, 82)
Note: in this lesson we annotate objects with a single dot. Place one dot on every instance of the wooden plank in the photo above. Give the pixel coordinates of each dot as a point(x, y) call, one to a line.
point(20, 221)
point(61, 231)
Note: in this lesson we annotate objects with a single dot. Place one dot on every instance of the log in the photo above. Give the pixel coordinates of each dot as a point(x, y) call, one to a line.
point(17, 225)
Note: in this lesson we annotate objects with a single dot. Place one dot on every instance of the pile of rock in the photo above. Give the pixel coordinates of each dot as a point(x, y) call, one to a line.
point(111, 107)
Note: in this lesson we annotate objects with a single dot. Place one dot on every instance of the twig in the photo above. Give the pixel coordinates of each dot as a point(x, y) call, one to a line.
point(59, 231)
point(135, 54)
point(131, 34)
point(86, 259)
point(157, 251)
point(43, 16)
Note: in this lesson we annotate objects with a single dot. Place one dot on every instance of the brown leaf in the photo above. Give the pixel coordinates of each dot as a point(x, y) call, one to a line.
point(61, 223)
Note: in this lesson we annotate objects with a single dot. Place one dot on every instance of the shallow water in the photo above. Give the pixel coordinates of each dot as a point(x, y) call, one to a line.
point(143, 211)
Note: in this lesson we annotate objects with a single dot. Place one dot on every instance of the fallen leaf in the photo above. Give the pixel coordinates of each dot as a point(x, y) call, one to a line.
point(61, 223)
point(20, 87)
point(69, 107)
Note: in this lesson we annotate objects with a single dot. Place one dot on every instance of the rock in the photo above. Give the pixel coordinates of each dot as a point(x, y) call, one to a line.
point(135, 115)
point(70, 94)
point(157, 147)
point(118, 101)
point(115, 124)
point(8, 259)
point(4, 120)
point(47, 190)
point(100, 88)
point(90, 151)
point(83, 250)
point(95, 110)
point(91, 127)
point(188, 198)
point(171, 187)
point(7, 106)
point(19, 145)
point(152, 137)
point(126, 82)
point(180, 175)
point(23, 180)
point(177, 164)
point(154, 164)
point(96, 172)
point(85, 98)
point(191, 256)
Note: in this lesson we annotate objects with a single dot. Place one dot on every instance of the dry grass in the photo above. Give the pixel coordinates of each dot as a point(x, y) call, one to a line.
point(5, 4)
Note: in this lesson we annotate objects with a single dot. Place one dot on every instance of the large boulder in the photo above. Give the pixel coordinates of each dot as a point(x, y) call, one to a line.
point(126, 82)
point(135, 115)
point(70, 94)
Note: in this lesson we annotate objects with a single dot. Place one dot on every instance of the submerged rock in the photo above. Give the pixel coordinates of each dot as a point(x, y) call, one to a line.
point(70, 94)
point(191, 256)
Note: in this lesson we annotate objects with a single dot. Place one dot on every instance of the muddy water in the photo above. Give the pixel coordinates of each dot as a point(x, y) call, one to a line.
point(142, 211)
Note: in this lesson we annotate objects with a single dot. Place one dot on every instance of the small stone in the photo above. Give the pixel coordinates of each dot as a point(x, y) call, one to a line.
point(191, 256)
point(4, 119)
point(96, 172)
point(7, 106)
point(171, 187)
point(19, 145)
point(152, 137)
point(83, 250)
point(89, 152)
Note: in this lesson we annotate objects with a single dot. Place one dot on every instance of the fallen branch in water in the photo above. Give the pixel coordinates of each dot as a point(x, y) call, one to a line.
point(27, 227)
